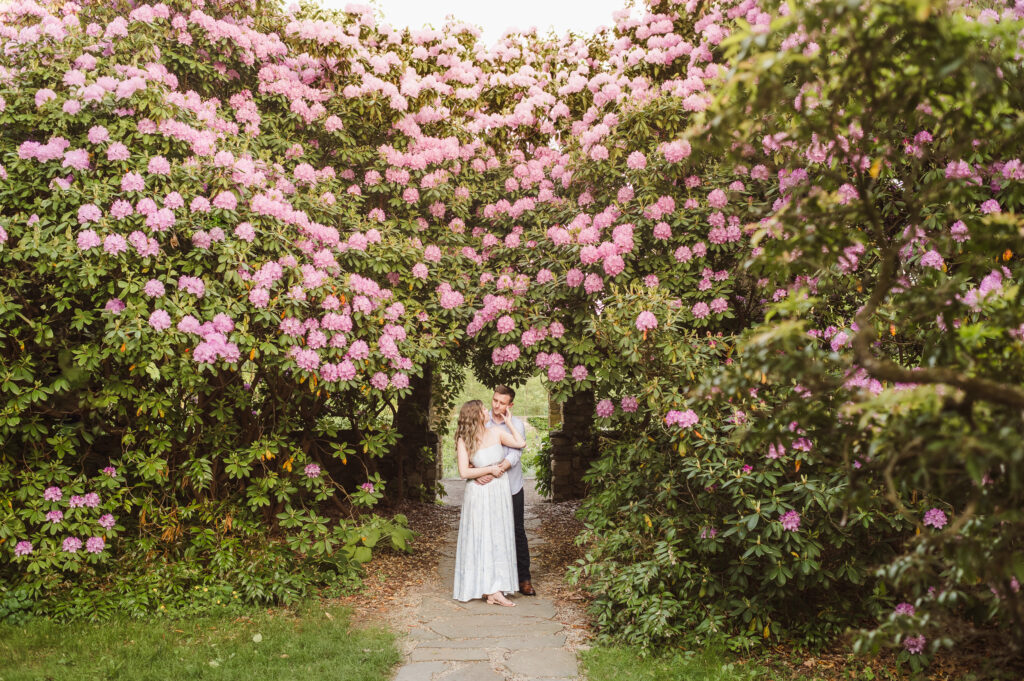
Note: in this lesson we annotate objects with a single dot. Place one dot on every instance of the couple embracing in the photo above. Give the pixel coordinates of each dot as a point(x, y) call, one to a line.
point(492, 558)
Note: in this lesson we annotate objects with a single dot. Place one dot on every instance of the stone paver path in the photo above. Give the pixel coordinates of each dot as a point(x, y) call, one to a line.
point(452, 641)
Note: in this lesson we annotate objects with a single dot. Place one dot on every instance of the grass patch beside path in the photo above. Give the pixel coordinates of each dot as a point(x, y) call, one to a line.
point(317, 644)
point(623, 664)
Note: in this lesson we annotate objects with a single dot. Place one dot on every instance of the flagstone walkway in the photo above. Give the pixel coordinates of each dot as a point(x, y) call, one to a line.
point(451, 641)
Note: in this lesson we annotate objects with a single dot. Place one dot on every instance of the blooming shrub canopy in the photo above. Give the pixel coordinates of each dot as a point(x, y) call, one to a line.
point(777, 243)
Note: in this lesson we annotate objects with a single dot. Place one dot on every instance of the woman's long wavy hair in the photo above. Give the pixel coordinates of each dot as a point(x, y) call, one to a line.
point(470, 427)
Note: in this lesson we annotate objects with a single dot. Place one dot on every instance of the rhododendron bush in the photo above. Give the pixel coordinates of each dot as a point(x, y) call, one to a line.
point(199, 292)
point(778, 247)
point(894, 345)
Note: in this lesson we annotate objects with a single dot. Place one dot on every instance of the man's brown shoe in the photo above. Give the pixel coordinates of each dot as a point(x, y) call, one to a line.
point(526, 588)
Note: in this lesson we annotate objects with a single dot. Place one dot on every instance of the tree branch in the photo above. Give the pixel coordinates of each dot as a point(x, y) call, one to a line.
point(887, 370)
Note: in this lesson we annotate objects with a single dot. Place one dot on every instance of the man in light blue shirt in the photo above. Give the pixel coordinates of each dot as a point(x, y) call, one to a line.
point(501, 417)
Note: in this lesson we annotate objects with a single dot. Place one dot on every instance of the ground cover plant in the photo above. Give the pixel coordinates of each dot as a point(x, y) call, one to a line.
point(778, 243)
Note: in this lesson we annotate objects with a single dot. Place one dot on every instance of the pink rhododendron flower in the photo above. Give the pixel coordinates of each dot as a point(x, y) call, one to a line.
point(675, 151)
point(936, 518)
point(158, 165)
point(932, 259)
point(76, 159)
point(154, 288)
point(193, 285)
point(114, 244)
point(556, 372)
point(118, 152)
point(43, 96)
point(88, 239)
point(790, 521)
point(88, 213)
point(98, 134)
point(959, 231)
point(132, 182)
point(636, 161)
point(646, 320)
point(847, 193)
point(225, 201)
point(914, 644)
point(160, 320)
point(683, 419)
point(245, 232)
point(717, 199)
point(605, 408)
point(991, 206)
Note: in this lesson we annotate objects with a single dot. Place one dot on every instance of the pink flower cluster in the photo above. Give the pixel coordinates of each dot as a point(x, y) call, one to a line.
point(683, 419)
point(790, 521)
point(936, 518)
point(605, 408)
point(646, 320)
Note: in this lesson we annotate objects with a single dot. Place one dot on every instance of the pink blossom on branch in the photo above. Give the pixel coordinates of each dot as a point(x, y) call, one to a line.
point(790, 521)
point(936, 518)
point(683, 419)
point(646, 320)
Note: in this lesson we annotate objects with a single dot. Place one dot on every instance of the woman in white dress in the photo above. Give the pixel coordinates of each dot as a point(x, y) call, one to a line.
point(485, 559)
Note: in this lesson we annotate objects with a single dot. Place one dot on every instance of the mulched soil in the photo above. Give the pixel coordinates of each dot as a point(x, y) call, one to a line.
point(392, 577)
point(560, 527)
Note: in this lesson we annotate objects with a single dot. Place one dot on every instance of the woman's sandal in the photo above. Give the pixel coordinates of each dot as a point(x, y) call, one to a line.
point(491, 600)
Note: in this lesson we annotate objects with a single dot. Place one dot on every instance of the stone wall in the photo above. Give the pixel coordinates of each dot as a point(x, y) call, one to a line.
point(573, 447)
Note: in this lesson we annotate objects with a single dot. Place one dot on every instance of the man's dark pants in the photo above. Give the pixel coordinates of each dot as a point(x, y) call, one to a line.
point(522, 548)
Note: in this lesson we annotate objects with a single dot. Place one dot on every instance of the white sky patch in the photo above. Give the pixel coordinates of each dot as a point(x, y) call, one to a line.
point(495, 17)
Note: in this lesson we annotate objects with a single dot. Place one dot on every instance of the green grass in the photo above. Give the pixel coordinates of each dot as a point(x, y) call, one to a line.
point(317, 644)
point(625, 664)
point(531, 402)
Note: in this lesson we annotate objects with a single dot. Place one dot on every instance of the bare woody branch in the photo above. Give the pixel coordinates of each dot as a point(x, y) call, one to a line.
point(887, 370)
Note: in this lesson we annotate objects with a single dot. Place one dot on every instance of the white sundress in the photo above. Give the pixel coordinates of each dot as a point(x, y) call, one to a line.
point(485, 558)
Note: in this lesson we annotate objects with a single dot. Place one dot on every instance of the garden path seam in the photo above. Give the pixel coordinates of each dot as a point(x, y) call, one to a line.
point(451, 641)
